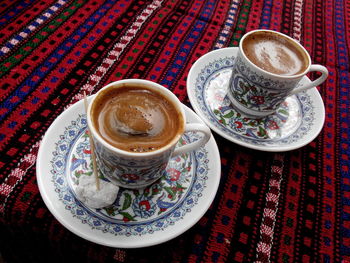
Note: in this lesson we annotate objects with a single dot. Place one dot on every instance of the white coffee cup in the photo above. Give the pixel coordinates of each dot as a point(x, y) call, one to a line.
point(139, 169)
point(257, 92)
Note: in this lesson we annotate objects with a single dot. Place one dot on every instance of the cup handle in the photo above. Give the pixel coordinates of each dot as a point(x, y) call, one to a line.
point(194, 127)
point(316, 82)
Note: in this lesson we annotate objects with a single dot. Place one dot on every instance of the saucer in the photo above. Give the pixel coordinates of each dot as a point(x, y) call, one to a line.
point(297, 121)
point(138, 218)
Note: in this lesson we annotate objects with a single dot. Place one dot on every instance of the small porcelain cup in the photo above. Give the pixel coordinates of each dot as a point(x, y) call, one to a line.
point(135, 169)
point(257, 92)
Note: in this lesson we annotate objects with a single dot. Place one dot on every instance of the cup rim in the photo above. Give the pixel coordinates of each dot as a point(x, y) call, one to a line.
point(270, 73)
point(151, 85)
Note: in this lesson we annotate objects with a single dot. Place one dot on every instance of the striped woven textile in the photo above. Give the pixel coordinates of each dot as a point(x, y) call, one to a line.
point(270, 207)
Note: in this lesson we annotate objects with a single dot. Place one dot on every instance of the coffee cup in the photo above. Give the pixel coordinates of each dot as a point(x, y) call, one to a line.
point(135, 126)
point(268, 68)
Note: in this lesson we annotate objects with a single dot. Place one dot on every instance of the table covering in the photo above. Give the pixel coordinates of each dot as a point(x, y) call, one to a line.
point(279, 207)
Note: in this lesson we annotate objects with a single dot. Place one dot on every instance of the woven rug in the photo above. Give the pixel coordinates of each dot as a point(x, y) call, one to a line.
point(285, 207)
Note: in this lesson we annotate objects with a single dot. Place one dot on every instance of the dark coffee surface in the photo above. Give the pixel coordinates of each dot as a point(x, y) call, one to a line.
point(275, 54)
point(136, 119)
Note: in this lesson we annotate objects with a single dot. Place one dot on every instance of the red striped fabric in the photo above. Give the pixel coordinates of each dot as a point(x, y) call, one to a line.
point(287, 207)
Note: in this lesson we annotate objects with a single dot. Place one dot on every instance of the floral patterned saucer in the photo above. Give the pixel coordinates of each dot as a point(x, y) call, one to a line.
point(296, 122)
point(138, 218)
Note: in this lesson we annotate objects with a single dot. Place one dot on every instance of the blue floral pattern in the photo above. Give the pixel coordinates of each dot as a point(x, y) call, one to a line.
point(293, 118)
point(135, 212)
point(257, 92)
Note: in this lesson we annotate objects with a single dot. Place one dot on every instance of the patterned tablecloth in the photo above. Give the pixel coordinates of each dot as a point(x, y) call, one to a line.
point(280, 207)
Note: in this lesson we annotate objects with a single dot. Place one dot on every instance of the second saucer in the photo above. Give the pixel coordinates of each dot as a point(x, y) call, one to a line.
point(296, 122)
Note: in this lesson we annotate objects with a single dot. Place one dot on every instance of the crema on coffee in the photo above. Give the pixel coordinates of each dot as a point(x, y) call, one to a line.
point(274, 53)
point(135, 118)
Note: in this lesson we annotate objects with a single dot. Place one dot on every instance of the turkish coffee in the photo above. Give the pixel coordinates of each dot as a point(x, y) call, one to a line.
point(136, 118)
point(275, 53)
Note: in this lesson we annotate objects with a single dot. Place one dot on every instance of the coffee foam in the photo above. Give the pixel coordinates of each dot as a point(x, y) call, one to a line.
point(155, 118)
point(274, 53)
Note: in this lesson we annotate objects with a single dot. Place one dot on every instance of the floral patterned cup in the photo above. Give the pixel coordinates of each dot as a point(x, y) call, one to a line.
point(257, 92)
point(140, 169)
